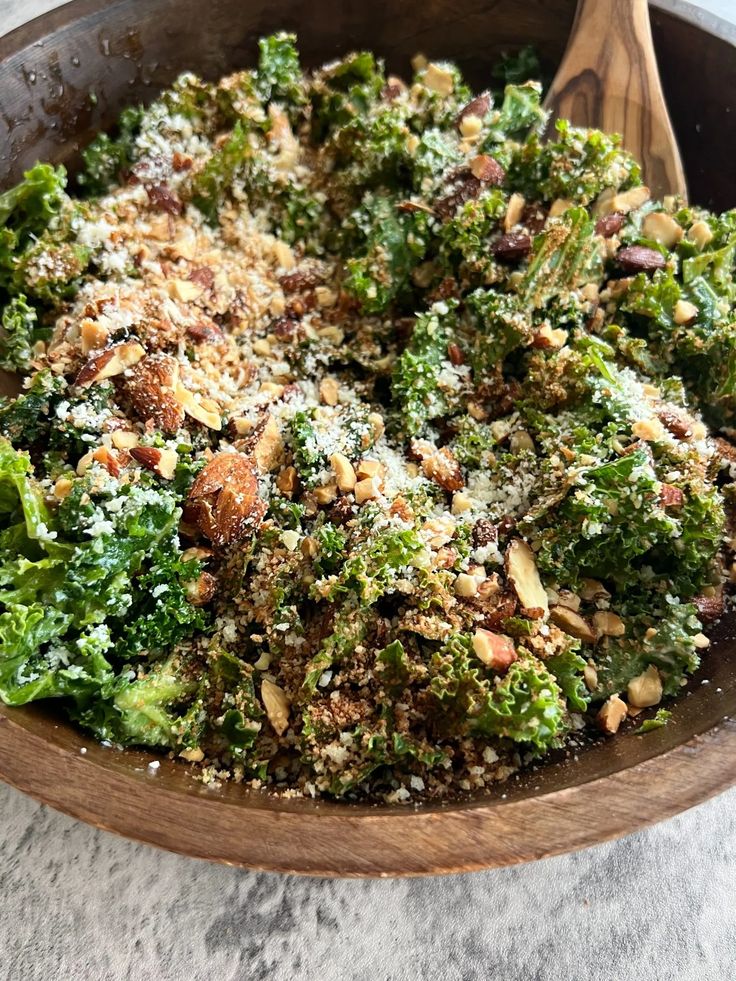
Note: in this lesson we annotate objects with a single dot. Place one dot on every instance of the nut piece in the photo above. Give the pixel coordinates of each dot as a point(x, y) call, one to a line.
point(608, 624)
point(93, 336)
point(161, 462)
point(114, 361)
point(200, 591)
point(572, 623)
point(184, 290)
point(512, 247)
point(466, 585)
point(611, 715)
point(662, 228)
point(649, 430)
point(266, 445)
point(329, 391)
point(438, 79)
point(590, 676)
point(367, 489)
point(223, 501)
point(685, 312)
point(700, 233)
point(277, 706)
point(609, 225)
point(288, 480)
point(611, 201)
point(344, 472)
point(638, 258)
point(478, 107)
point(438, 465)
point(486, 169)
point(496, 651)
point(646, 689)
point(150, 385)
point(521, 568)
point(593, 590)
point(198, 409)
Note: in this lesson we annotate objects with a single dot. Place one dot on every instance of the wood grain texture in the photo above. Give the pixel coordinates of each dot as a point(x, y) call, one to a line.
point(260, 832)
point(609, 80)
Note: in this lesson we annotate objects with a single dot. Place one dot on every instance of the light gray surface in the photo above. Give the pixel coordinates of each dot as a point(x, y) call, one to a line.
point(82, 904)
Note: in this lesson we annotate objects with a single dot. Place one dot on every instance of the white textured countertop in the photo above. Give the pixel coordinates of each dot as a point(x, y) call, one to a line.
point(81, 904)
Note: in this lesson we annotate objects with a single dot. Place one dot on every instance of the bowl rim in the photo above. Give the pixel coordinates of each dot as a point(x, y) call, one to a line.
point(62, 768)
point(356, 841)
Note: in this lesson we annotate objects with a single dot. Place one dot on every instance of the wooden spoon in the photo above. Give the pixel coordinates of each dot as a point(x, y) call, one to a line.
point(609, 80)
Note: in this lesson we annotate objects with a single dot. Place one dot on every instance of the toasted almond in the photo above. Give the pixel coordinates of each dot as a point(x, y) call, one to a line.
point(327, 493)
point(608, 624)
point(288, 480)
point(192, 755)
point(572, 623)
point(201, 590)
point(590, 676)
point(151, 385)
point(266, 445)
point(62, 488)
point(611, 715)
point(277, 706)
point(553, 338)
point(369, 468)
point(593, 590)
point(521, 441)
point(196, 409)
point(566, 597)
point(521, 568)
point(367, 490)
point(184, 290)
point(223, 500)
point(346, 479)
point(438, 79)
point(124, 439)
point(439, 465)
point(514, 211)
point(662, 228)
point(93, 336)
point(461, 503)
point(329, 391)
point(111, 362)
point(685, 312)
point(378, 426)
point(496, 651)
point(700, 233)
point(161, 461)
point(466, 585)
point(645, 689)
point(649, 430)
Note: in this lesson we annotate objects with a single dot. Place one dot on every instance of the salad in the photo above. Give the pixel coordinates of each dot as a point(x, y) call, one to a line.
point(368, 445)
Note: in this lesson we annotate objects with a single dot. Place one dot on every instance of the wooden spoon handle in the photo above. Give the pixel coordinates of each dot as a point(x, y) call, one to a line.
point(609, 80)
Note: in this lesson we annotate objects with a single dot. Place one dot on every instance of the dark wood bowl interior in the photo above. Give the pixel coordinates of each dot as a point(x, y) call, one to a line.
point(126, 52)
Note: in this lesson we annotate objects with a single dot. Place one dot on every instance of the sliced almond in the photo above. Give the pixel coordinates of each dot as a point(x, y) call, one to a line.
point(521, 568)
point(645, 689)
point(114, 361)
point(124, 439)
point(590, 676)
point(277, 706)
point(559, 206)
point(649, 430)
point(572, 623)
point(610, 201)
point(611, 715)
point(591, 589)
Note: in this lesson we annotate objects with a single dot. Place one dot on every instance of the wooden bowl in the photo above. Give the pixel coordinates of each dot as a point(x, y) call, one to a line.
point(129, 50)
